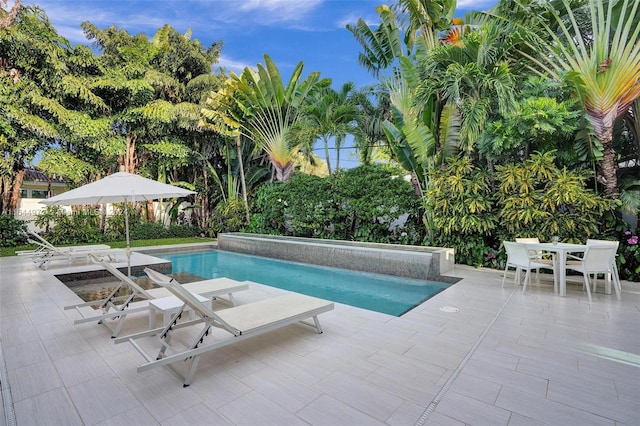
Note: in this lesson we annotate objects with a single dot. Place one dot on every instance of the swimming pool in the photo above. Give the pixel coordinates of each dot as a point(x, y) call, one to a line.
point(381, 293)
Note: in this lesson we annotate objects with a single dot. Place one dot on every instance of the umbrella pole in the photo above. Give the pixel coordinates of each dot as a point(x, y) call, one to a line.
point(126, 230)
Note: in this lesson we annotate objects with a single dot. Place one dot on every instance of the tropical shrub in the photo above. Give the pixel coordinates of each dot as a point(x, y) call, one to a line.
point(532, 198)
point(364, 204)
point(13, 232)
point(301, 206)
point(228, 216)
point(459, 210)
point(535, 198)
point(81, 226)
point(376, 199)
point(151, 231)
point(628, 258)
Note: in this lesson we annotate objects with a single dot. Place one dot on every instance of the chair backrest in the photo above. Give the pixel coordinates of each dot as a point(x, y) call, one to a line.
point(532, 240)
point(517, 253)
point(598, 258)
point(42, 242)
point(592, 242)
point(188, 299)
point(122, 277)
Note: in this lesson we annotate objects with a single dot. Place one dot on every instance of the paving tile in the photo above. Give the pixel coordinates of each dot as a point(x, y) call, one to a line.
point(100, 399)
point(546, 411)
point(327, 411)
point(199, 414)
point(541, 353)
point(596, 399)
point(81, 367)
point(438, 419)
point(505, 376)
point(137, 416)
point(471, 411)
point(48, 408)
point(279, 387)
point(34, 379)
point(255, 409)
point(163, 395)
point(407, 414)
point(476, 388)
point(354, 392)
point(25, 354)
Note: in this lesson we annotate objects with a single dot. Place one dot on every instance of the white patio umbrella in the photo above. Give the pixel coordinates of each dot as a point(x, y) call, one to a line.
point(119, 187)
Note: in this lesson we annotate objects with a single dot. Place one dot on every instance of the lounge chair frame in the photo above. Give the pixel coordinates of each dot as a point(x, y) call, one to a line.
point(117, 308)
point(241, 322)
point(46, 252)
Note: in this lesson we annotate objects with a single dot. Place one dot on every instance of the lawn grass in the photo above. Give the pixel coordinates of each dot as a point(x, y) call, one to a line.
point(11, 251)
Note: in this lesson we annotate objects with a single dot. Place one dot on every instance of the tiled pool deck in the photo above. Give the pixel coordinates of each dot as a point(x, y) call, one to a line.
point(504, 359)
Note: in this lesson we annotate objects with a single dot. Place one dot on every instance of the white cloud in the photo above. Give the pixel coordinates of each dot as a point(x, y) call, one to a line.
point(233, 65)
point(290, 8)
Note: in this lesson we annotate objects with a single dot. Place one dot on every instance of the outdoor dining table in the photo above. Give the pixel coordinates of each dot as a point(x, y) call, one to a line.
point(561, 250)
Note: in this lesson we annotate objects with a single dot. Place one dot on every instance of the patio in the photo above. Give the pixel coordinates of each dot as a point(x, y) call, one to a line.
point(504, 359)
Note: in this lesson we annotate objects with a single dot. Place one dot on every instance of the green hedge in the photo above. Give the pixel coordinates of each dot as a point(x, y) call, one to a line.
point(360, 204)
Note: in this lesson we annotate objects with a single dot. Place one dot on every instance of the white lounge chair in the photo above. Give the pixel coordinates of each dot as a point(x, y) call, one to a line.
point(238, 323)
point(113, 310)
point(46, 252)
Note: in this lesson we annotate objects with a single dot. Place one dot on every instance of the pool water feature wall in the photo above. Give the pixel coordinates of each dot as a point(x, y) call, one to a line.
point(417, 262)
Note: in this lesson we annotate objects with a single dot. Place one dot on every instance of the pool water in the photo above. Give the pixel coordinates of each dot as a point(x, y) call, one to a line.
point(380, 293)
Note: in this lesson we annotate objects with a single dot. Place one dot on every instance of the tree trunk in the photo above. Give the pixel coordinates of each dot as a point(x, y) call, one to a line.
point(15, 190)
point(242, 181)
point(326, 154)
point(130, 156)
point(4, 194)
point(603, 128)
point(151, 215)
point(607, 169)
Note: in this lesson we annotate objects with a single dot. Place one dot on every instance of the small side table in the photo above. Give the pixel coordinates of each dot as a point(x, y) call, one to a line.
point(168, 306)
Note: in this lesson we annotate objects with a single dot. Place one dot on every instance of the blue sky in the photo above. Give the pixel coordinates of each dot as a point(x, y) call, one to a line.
point(290, 31)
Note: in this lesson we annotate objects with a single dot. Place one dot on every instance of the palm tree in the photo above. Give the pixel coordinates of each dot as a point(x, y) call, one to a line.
point(474, 75)
point(421, 134)
point(373, 109)
point(331, 114)
point(603, 62)
point(259, 106)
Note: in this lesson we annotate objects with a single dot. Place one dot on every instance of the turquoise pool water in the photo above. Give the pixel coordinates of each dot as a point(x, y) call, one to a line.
point(381, 293)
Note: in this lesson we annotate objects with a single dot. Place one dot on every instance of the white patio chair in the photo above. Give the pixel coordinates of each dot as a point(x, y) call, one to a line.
point(538, 255)
point(597, 259)
point(613, 276)
point(518, 257)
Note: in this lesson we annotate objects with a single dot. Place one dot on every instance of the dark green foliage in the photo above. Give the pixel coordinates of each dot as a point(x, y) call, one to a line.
point(303, 206)
point(628, 258)
point(13, 232)
point(357, 204)
point(228, 216)
point(149, 231)
point(460, 212)
point(83, 226)
point(374, 197)
point(79, 227)
point(468, 211)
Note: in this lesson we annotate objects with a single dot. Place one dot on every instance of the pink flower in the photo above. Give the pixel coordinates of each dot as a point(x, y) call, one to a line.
point(490, 255)
point(627, 232)
point(633, 240)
